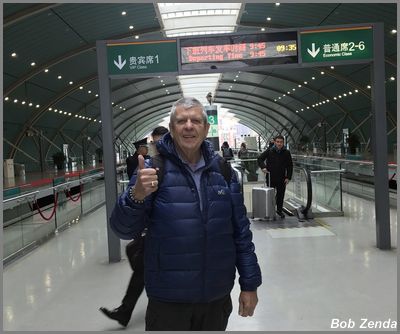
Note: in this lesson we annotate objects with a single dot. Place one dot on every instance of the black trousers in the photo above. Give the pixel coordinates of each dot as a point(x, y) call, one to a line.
point(280, 193)
point(135, 286)
point(213, 316)
point(134, 252)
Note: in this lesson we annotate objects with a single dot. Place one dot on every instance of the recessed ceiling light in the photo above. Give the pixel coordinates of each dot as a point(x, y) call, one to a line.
point(308, 107)
point(6, 98)
point(65, 113)
point(55, 110)
point(313, 78)
point(262, 29)
point(100, 121)
point(131, 27)
point(137, 37)
point(350, 93)
point(275, 100)
point(76, 115)
point(71, 82)
point(332, 67)
point(302, 109)
point(268, 19)
point(23, 102)
point(356, 91)
point(394, 31)
point(50, 108)
point(297, 111)
point(46, 70)
point(97, 95)
point(80, 87)
point(305, 82)
point(322, 72)
point(369, 87)
point(344, 94)
point(38, 106)
point(277, 4)
point(59, 77)
point(13, 55)
point(340, 96)
point(33, 63)
point(69, 114)
point(16, 100)
point(392, 78)
point(123, 13)
point(60, 112)
point(89, 91)
point(30, 104)
point(293, 89)
point(298, 85)
point(279, 97)
point(335, 98)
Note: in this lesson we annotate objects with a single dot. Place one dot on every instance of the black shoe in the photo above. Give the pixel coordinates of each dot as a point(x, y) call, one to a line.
point(120, 314)
point(281, 214)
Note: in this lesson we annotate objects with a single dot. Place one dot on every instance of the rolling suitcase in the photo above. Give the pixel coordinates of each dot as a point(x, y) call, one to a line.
point(263, 199)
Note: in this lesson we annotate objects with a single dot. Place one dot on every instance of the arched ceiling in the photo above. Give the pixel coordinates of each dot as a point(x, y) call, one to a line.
point(58, 95)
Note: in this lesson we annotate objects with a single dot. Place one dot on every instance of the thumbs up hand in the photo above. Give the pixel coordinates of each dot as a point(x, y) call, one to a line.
point(146, 181)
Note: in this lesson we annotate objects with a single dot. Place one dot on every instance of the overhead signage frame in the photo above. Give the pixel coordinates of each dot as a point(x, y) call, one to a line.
point(286, 49)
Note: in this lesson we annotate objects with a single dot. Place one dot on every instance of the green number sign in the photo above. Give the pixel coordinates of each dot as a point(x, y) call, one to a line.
point(336, 44)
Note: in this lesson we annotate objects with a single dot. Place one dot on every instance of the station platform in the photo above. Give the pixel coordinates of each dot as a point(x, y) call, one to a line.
point(312, 273)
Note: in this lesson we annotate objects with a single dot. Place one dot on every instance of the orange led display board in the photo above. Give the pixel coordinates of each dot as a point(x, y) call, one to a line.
point(238, 50)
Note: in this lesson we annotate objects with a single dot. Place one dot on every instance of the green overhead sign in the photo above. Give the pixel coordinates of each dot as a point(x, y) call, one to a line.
point(354, 43)
point(142, 57)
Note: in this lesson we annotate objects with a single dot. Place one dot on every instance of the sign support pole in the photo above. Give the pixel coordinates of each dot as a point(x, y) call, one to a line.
point(379, 141)
point(110, 168)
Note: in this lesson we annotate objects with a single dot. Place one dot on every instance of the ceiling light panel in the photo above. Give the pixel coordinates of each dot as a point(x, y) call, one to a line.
point(189, 19)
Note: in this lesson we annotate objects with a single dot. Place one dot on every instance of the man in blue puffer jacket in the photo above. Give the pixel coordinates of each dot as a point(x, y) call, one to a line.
point(197, 230)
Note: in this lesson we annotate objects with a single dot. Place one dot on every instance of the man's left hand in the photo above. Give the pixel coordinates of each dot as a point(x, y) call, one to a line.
point(286, 181)
point(247, 303)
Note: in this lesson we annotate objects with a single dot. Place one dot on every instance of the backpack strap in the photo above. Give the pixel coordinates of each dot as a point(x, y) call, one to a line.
point(158, 162)
point(226, 171)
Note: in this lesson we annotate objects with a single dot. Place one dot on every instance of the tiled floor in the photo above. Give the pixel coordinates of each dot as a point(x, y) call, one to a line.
point(311, 274)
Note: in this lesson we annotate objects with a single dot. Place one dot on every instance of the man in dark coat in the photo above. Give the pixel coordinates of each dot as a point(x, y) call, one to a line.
point(132, 161)
point(277, 160)
point(198, 233)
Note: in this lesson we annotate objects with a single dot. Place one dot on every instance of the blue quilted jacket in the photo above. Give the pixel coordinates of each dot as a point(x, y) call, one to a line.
point(191, 255)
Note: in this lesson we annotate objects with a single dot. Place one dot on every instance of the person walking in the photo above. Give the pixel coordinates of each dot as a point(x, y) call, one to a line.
point(277, 161)
point(198, 233)
point(134, 252)
point(227, 152)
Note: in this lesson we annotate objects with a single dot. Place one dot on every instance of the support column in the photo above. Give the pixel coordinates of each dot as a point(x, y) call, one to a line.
point(107, 130)
point(379, 141)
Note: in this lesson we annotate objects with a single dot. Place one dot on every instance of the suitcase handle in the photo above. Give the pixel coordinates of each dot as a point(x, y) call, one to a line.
point(269, 180)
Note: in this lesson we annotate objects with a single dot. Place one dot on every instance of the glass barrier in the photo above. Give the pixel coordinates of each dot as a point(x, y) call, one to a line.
point(33, 216)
